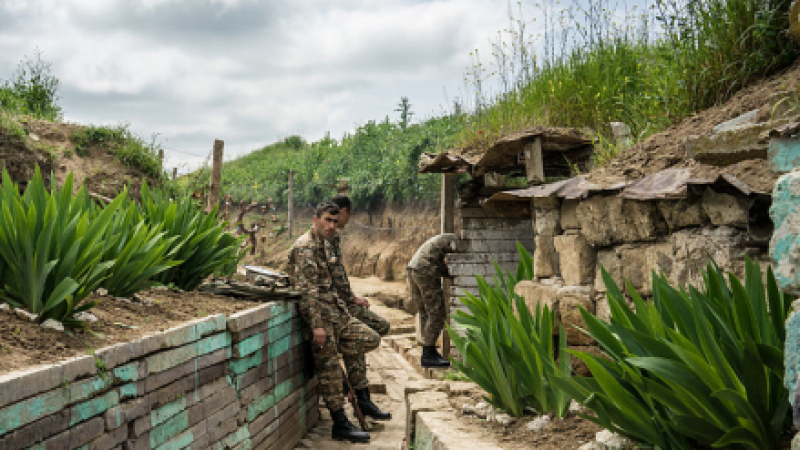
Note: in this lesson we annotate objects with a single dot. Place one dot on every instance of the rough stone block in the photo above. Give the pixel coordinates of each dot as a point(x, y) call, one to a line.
point(443, 431)
point(539, 292)
point(579, 367)
point(784, 247)
point(607, 259)
point(607, 220)
point(726, 209)
point(194, 330)
point(682, 213)
point(602, 308)
point(731, 146)
point(569, 215)
point(692, 249)
point(568, 306)
point(546, 216)
point(783, 154)
point(109, 440)
point(37, 431)
point(245, 319)
point(638, 262)
point(576, 259)
point(545, 257)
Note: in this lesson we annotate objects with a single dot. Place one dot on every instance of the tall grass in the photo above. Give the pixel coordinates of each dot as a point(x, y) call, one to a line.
point(648, 68)
point(32, 90)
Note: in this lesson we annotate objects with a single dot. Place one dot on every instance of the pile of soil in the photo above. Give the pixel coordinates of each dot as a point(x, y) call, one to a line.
point(665, 150)
point(25, 344)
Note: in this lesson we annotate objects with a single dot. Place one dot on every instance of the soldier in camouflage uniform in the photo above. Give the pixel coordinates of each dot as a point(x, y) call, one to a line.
point(334, 329)
point(425, 272)
point(358, 307)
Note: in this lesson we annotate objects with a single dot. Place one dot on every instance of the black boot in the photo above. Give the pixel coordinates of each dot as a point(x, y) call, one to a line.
point(343, 430)
point(368, 408)
point(432, 358)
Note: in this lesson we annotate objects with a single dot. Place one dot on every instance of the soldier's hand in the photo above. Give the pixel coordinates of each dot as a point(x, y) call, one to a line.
point(319, 336)
point(361, 301)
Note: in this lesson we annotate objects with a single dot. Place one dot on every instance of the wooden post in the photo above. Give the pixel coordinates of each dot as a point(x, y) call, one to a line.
point(534, 164)
point(216, 174)
point(174, 173)
point(448, 226)
point(291, 202)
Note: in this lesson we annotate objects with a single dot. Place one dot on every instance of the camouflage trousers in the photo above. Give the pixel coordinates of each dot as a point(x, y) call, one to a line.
point(349, 337)
point(426, 292)
point(357, 366)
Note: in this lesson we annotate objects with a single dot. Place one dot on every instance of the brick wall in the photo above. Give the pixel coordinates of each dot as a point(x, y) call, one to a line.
point(219, 382)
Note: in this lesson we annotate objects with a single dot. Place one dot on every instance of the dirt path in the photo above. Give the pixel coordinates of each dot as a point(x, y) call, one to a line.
point(389, 373)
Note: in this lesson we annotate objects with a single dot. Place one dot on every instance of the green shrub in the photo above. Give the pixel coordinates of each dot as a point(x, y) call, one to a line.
point(33, 90)
point(511, 355)
point(51, 248)
point(140, 252)
point(198, 239)
point(692, 369)
point(132, 150)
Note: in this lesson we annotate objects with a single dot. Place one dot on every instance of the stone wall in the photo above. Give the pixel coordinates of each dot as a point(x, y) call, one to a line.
point(631, 239)
point(219, 382)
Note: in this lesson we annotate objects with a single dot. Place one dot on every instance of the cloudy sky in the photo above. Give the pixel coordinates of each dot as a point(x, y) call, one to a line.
point(246, 71)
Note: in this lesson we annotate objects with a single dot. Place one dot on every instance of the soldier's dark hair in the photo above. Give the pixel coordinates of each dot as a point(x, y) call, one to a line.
point(343, 202)
point(327, 207)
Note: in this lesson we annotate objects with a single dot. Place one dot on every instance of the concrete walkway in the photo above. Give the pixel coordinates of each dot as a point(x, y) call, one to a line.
point(389, 373)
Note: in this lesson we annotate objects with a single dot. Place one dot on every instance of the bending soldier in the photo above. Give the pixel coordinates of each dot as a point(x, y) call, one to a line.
point(358, 307)
point(425, 272)
point(334, 329)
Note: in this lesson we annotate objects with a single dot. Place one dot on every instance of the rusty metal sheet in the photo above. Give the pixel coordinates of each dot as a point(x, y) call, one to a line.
point(502, 156)
point(674, 184)
point(570, 189)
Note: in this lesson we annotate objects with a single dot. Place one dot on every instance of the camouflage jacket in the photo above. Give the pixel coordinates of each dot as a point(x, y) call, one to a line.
point(339, 274)
point(312, 277)
point(429, 258)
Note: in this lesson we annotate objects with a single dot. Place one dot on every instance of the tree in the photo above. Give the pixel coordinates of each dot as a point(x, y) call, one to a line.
point(404, 108)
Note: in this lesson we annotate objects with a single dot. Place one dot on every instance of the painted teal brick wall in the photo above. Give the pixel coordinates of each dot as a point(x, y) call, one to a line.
point(218, 382)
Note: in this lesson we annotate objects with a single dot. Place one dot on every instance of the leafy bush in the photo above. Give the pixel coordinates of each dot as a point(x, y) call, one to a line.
point(511, 355)
point(140, 252)
point(51, 248)
point(33, 90)
point(197, 239)
point(691, 369)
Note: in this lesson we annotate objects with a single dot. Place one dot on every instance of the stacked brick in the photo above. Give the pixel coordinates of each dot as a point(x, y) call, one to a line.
point(485, 240)
point(217, 382)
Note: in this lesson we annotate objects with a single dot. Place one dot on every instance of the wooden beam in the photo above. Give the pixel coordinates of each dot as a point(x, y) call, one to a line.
point(448, 205)
point(216, 174)
point(534, 163)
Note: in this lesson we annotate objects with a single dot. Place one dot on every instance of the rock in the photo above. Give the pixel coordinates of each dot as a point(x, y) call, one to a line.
point(545, 257)
point(101, 292)
point(569, 309)
point(784, 246)
point(483, 409)
point(592, 446)
point(607, 220)
point(569, 215)
point(576, 259)
point(575, 407)
point(726, 209)
point(546, 216)
point(536, 292)
point(607, 259)
point(538, 424)
point(682, 213)
point(621, 133)
point(25, 315)
point(638, 261)
point(612, 441)
point(4, 307)
point(747, 118)
point(159, 288)
point(693, 247)
point(84, 316)
point(503, 419)
point(53, 325)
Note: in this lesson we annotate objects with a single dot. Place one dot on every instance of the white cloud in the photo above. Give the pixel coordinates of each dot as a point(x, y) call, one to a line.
point(249, 71)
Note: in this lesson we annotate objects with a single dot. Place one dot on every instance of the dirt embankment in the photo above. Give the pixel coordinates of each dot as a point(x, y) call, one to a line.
point(50, 146)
